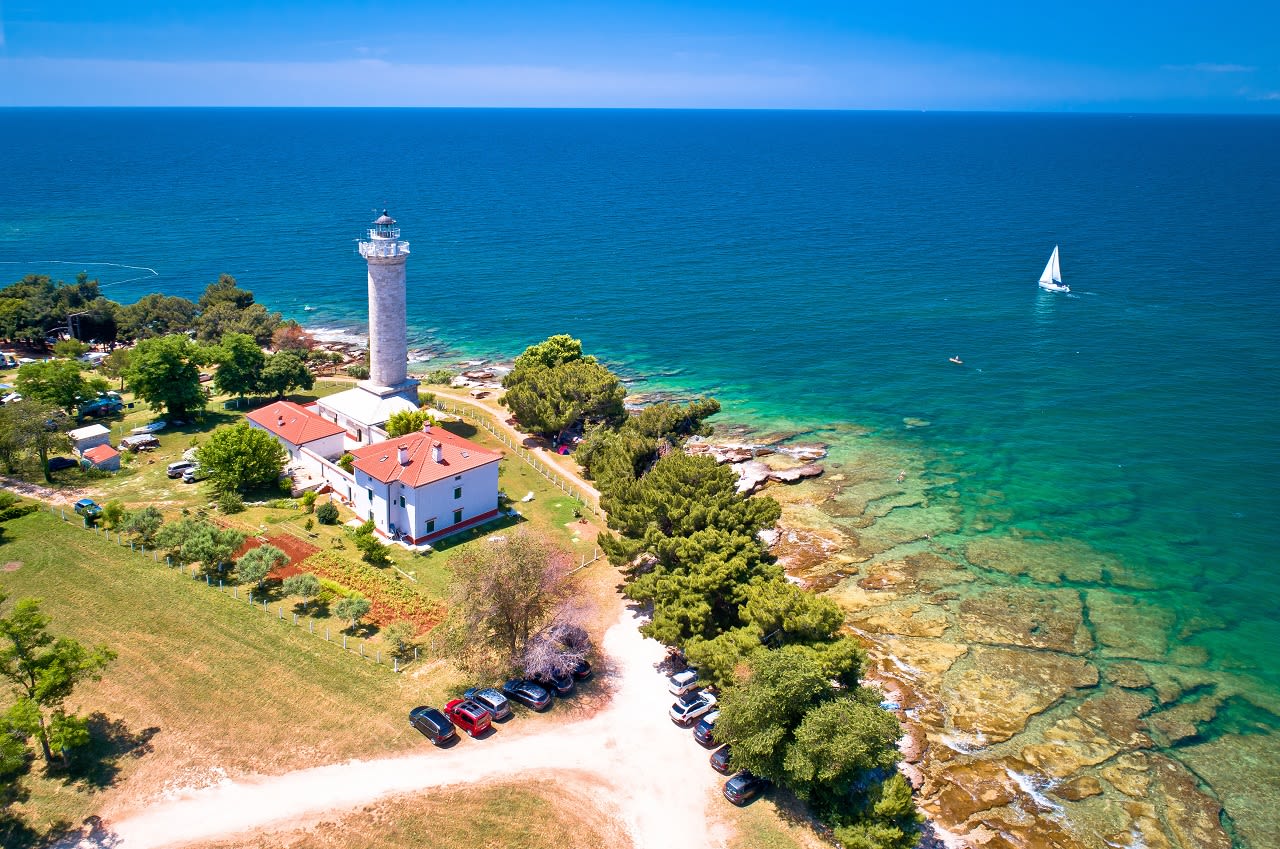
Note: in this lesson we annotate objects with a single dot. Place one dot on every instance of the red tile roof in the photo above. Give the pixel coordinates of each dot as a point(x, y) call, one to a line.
point(294, 423)
point(382, 459)
point(100, 453)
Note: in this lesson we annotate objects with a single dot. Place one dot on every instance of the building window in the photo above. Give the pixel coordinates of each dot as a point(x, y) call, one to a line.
point(402, 501)
point(431, 526)
point(457, 516)
point(370, 491)
point(457, 492)
point(457, 477)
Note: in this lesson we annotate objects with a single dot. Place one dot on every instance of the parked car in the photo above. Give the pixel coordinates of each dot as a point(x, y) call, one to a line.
point(744, 787)
point(176, 470)
point(57, 464)
point(582, 671)
point(490, 699)
point(88, 508)
point(526, 693)
point(433, 724)
point(561, 685)
point(193, 474)
point(100, 407)
point(703, 731)
point(690, 706)
point(720, 760)
point(472, 717)
point(682, 682)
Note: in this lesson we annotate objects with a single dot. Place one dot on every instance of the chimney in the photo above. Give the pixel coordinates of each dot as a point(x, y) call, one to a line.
point(437, 452)
point(280, 421)
point(426, 427)
point(404, 454)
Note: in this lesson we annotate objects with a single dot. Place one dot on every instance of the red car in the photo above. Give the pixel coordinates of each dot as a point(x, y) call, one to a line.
point(470, 716)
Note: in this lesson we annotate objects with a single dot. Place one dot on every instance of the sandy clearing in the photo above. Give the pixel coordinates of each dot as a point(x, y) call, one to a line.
point(651, 773)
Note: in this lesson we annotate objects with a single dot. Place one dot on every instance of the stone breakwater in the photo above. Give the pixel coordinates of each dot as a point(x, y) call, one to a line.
point(1048, 699)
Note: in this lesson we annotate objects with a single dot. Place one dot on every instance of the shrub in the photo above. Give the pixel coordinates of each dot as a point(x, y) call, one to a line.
point(347, 462)
point(392, 599)
point(327, 513)
point(230, 503)
point(359, 372)
point(440, 376)
point(399, 639)
point(113, 513)
point(309, 500)
point(286, 485)
point(309, 524)
point(427, 399)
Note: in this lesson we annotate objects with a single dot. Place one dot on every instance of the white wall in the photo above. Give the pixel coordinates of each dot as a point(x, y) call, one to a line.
point(433, 501)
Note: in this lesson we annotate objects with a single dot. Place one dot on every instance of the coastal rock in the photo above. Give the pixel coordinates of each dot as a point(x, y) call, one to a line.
point(1183, 720)
point(1050, 561)
point(1144, 830)
point(999, 690)
point(1130, 774)
point(809, 470)
point(769, 537)
point(751, 476)
point(1244, 770)
point(976, 786)
point(1080, 787)
point(909, 618)
point(1128, 627)
point(1118, 714)
point(912, 773)
point(1040, 619)
point(1128, 674)
point(1069, 745)
point(1193, 817)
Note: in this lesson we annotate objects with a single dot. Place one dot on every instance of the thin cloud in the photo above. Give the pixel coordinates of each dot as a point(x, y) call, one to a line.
point(1213, 68)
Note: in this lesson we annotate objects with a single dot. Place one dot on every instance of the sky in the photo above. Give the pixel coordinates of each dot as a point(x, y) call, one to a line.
point(1086, 56)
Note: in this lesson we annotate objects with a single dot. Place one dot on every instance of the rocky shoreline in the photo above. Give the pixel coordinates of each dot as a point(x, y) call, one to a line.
point(1045, 703)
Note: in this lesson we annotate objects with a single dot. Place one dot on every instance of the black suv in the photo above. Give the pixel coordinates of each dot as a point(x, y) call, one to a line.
point(526, 693)
point(433, 724)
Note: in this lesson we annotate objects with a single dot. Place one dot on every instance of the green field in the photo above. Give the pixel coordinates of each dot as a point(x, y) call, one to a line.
point(201, 679)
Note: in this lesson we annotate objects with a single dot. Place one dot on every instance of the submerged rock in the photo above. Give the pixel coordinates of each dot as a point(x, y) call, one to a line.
point(1080, 787)
point(1041, 619)
point(1000, 690)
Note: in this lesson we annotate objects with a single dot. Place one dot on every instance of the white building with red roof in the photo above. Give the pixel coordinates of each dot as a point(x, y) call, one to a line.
point(425, 485)
point(103, 457)
point(297, 428)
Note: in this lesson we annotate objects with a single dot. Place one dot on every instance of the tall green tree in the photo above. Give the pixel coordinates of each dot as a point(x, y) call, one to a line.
point(256, 563)
point(31, 428)
point(165, 373)
point(285, 371)
point(115, 365)
point(58, 382)
point(306, 586)
point(552, 400)
point(143, 524)
point(353, 609)
point(238, 456)
point(225, 290)
point(240, 362)
point(198, 541)
point(157, 315)
point(43, 671)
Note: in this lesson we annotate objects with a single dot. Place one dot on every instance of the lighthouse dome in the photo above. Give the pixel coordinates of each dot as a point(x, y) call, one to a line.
point(384, 219)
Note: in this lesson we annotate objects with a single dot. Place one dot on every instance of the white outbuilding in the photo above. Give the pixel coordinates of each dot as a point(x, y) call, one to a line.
point(89, 436)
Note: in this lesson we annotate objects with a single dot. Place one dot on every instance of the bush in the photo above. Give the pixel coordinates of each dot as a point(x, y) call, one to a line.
point(309, 500)
point(286, 485)
point(309, 524)
point(426, 399)
point(347, 462)
point(359, 372)
point(399, 639)
point(327, 513)
point(440, 376)
point(230, 503)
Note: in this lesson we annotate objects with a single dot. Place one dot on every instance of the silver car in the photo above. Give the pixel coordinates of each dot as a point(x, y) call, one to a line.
point(491, 700)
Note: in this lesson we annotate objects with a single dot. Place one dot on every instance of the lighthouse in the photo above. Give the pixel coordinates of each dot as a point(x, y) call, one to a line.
point(363, 410)
point(386, 254)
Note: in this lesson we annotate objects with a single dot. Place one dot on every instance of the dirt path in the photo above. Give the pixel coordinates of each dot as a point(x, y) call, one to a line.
point(651, 774)
point(499, 415)
point(41, 493)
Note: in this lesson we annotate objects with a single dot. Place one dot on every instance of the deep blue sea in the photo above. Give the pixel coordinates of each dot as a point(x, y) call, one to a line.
point(809, 268)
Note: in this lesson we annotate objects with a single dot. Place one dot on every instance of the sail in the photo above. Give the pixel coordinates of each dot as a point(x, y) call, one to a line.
point(1052, 273)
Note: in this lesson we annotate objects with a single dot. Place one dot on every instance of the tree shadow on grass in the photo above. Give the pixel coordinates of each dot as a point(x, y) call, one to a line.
point(92, 832)
point(110, 742)
point(460, 428)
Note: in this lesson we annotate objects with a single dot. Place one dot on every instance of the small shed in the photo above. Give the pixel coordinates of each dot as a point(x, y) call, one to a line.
point(90, 436)
point(103, 457)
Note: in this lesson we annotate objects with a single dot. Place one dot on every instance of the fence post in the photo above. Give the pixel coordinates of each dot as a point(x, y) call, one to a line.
point(362, 649)
point(235, 592)
point(344, 642)
point(281, 611)
point(295, 619)
point(311, 625)
point(251, 598)
point(415, 652)
point(208, 582)
point(326, 635)
point(395, 665)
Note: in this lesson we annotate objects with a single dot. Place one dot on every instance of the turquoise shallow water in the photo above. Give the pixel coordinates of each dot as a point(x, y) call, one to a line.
point(808, 268)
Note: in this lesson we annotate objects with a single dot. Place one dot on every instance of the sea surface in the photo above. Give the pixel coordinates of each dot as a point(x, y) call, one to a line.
point(813, 270)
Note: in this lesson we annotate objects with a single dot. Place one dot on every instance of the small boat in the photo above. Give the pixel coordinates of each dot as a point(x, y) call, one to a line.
point(1051, 279)
point(957, 360)
point(308, 308)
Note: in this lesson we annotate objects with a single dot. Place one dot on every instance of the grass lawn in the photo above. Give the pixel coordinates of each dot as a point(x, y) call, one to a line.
point(203, 683)
point(538, 815)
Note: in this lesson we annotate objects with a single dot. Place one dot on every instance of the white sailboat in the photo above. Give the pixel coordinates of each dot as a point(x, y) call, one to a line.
point(1051, 279)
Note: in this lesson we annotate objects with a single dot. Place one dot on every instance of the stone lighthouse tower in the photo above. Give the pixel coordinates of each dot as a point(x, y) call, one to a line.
point(386, 254)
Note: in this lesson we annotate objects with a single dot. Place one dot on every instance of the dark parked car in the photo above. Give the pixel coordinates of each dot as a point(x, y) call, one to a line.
point(561, 685)
point(720, 760)
point(526, 693)
point(472, 717)
point(57, 464)
point(88, 508)
point(433, 724)
point(582, 671)
point(744, 787)
point(491, 700)
point(703, 731)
